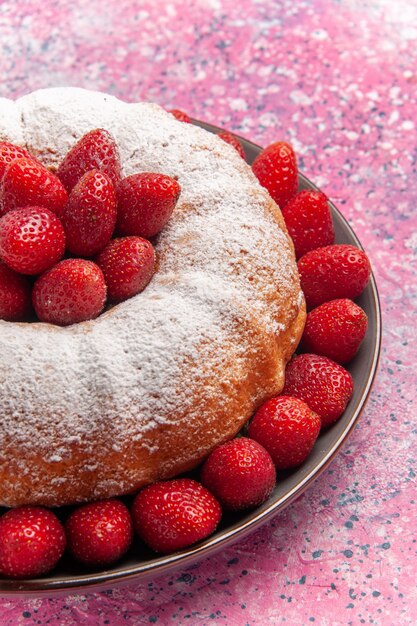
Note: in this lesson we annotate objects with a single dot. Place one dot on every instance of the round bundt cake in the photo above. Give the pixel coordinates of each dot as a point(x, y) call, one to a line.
point(145, 391)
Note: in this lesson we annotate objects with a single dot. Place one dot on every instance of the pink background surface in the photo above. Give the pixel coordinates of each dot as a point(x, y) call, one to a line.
point(337, 79)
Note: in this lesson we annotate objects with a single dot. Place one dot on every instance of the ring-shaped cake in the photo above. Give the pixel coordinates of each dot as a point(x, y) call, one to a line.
point(145, 391)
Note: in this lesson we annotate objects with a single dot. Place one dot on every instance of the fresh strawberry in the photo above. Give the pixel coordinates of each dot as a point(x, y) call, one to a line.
point(128, 265)
point(287, 428)
point(99, 533)
point(95, 150)
point(32, 540)
point(145, 203)
point(10, 152)
point(89, 217)
point(28, 183)
point(174, 514)
point(71, 291)
point(309, 221)
point(333, 272)
point(321, 383)
point(233, 141)
point(276, 169)
point(335, 329)
point(180, 115)
point(32, 239)
point(240, 473)
point(15, 295)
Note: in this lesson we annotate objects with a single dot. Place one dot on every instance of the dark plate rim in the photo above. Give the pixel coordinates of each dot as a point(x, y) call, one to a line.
point(53, 586)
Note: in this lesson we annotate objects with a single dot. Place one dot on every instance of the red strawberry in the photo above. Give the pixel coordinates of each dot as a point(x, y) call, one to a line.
point(276, 169)
point(287, 428)
point(89, 217)
point(28, 183)
point(32, 540)
point(15, 295)
point(95, 150)
point(180, 115)
point(240, 473)
point(335, 329)
point(32, 239)
point(128, 266)
point(332, 272)
point(71, 291)
point(233, 141)
point(99, 533)
point(174, 514)
point(321, 383)
point(309, 221)
point(10, 152)
point(145, 203)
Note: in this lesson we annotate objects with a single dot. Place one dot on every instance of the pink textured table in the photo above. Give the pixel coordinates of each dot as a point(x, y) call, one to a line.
point(338, 79)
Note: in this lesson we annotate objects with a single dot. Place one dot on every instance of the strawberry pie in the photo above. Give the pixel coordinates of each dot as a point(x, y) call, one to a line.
point(150, 309)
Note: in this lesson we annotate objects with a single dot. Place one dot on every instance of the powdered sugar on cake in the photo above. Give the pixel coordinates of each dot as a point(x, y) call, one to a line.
point(217, 270)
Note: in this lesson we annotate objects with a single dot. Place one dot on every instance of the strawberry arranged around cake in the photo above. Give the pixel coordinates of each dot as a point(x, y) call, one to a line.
point(150, 302)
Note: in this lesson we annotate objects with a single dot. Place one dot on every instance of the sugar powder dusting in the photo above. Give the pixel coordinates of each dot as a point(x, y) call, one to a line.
point(221, 258)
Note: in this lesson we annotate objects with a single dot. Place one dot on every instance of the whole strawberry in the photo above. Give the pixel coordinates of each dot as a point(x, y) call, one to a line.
point(276, 169)
point(321, 383)
point(32, 239)
point(309, 221)
point(128, 265)
point(174, 514)
point(287, 428)
point(10, 152)
point(335, 329)
point(332, 272)
point(32, 540)
point(27, 183)
point(145, 203)
point(15, 295)
point(181, 116)
point(240, 473)
point(99, 533)
point(89, 217)
point(95, 150)
point(72, 291)
point(233, 141)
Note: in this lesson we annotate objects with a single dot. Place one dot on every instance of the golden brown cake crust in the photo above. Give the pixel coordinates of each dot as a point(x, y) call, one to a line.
point(149, 388)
